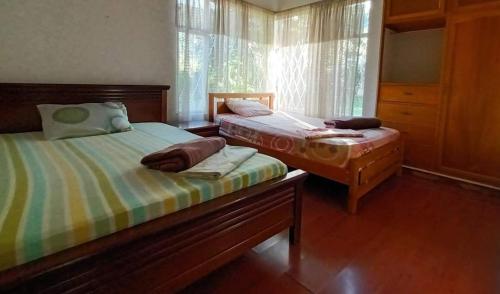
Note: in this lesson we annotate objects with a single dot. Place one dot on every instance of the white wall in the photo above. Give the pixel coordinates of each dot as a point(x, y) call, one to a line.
point(272, 5)
point(288, 4)
point(88, 41)
point(279, 5)
point(373, 59)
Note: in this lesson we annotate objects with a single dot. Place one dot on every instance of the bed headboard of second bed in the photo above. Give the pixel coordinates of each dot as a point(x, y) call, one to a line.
point(216, 101)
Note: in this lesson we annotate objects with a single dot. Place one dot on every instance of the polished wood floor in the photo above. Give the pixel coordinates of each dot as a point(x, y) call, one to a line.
point(412, 235)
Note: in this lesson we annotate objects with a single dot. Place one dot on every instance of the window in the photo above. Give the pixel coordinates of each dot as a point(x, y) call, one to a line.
point(222, 46)
point(313, 57)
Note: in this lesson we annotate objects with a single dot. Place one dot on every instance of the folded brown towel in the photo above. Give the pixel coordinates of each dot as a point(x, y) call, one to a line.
point(355, 123)
point(179, 157)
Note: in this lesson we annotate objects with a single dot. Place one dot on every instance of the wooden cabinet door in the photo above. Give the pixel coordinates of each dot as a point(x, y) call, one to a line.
point(397, 9)
point(473, 4)
point(470, 145)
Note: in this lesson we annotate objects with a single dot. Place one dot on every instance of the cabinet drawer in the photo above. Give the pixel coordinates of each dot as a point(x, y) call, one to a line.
point(418, 115)
point(414, 134)
point(474, 4)
point(387, 162)
point(426, 94)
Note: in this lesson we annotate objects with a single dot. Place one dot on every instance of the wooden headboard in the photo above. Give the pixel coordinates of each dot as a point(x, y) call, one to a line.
point(18, 112)
point(216, 101)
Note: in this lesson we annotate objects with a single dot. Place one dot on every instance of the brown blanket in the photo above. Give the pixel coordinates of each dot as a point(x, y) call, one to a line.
point(179, 157)
point(354, 123)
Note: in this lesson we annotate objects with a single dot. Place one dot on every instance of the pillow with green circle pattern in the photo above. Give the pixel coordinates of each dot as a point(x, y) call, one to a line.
point(79, 120)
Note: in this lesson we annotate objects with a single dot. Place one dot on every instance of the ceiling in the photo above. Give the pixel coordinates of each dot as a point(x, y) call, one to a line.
point(279, 5)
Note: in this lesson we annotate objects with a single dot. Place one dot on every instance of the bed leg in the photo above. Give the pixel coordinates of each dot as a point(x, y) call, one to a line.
point(352, 201)
point(294, 235)
point(294, 231)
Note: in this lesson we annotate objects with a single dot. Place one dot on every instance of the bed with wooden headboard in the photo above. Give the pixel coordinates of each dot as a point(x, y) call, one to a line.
point(166, 253)
point(361, 174)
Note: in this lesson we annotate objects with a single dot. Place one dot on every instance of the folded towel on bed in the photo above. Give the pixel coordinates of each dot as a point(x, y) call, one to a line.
point(220, 163)
point(324, 133)
point(355, 123)
point(179, 157)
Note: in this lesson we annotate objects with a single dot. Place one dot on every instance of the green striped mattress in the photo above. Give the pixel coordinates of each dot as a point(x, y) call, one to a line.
point(57, 194)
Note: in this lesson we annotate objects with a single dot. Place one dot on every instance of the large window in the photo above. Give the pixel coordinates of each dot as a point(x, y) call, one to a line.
point(222, 46)
point(320, 58)
point(313, 57)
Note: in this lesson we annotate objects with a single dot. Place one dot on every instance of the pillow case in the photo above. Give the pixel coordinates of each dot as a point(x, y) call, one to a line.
point(248, 108)
point(79, 120)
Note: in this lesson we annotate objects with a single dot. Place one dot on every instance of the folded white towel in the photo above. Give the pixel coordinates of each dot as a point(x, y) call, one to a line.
point(220, 163)
point(324, 133)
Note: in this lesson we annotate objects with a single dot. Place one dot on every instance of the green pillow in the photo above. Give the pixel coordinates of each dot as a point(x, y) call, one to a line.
point(79, 120)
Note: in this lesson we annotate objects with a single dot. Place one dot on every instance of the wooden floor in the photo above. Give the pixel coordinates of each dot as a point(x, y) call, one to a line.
point(412, 235)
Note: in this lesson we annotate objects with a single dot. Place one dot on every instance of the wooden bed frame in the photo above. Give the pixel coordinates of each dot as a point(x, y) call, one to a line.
point(164, 254)
point(361, 174)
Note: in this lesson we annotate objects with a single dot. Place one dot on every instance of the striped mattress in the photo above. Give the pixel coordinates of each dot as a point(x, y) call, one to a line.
point(58, 194)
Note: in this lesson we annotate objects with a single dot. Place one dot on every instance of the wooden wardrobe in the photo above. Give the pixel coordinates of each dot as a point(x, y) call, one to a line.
point(440, 85)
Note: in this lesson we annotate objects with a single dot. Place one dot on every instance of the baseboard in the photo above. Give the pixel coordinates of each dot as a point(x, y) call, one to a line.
point(453, 178)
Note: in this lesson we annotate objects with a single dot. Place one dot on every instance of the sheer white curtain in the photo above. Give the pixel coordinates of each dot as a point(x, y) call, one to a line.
point(320, 55)
point(320, 59)
point(223, 45)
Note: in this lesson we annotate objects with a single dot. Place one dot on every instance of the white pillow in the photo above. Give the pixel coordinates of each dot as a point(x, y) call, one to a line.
point(79, 120)
point(248, 108)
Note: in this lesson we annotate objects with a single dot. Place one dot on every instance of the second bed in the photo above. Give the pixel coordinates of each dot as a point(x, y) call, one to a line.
point(361, 163)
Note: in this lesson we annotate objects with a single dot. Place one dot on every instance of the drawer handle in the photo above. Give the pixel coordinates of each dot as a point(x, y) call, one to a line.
point(405, 113)
point(408, 93)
